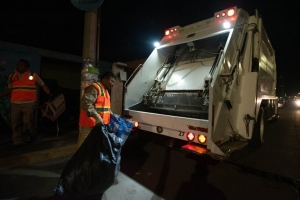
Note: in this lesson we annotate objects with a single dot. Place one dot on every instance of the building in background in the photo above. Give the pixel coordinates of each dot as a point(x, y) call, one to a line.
point(60, 71)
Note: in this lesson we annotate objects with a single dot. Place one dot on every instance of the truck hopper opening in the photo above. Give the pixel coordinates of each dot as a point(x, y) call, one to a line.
point(178, 103)
point(181, 84)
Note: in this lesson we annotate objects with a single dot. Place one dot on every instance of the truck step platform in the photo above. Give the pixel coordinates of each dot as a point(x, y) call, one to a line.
point(232, 146)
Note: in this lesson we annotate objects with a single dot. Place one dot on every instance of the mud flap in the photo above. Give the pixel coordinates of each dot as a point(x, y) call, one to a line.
point(216, 150)
point(256, 140)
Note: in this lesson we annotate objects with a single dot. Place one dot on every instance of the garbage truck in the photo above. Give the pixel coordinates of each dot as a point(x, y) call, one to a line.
point(211, 83)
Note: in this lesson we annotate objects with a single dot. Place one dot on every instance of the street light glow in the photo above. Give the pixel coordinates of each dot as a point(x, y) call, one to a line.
point(156, 44)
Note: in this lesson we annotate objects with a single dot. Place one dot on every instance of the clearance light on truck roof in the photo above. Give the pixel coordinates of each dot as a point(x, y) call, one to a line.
point(171, 30)
point(227, 13)
point(190, 136)
point(167, 32)
point(230, 12)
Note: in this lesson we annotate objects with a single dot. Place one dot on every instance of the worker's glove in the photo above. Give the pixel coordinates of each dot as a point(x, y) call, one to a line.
point(99, 122)
point(98, 119)
point(51, 97)
point(113, 113)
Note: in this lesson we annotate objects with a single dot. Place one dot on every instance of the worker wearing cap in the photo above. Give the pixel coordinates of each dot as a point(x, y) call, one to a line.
point(22, 85)
point(95, 105)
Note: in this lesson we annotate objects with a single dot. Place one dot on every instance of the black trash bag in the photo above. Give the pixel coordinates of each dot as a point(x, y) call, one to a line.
point(94, 166)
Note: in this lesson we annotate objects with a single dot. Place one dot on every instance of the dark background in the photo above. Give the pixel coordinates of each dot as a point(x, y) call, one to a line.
point(129, 27)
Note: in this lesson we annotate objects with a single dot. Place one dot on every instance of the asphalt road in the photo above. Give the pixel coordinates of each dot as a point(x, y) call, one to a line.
point(152, 170)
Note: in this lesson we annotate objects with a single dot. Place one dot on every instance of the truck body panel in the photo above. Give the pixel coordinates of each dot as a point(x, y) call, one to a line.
point(206, 80)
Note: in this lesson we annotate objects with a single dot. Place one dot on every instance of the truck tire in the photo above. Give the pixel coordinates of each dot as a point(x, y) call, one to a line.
point(258, 131)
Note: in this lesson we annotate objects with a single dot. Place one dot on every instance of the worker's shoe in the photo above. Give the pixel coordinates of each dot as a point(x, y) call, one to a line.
point(16, 146)
point(116, 182)
point(32, 138)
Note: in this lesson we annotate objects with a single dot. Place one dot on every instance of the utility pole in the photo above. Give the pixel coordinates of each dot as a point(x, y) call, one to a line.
point(90, 50)
point(89, 72)
point(91, 38)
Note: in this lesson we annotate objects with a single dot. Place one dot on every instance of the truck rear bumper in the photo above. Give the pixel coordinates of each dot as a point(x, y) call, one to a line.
point(227, 148)
point(171, 126)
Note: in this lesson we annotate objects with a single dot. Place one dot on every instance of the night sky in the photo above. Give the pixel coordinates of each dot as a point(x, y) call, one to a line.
point(129, 27)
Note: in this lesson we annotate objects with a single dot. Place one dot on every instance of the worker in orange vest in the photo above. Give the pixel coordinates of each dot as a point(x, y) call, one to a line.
point(95, 105)
point(22, 86)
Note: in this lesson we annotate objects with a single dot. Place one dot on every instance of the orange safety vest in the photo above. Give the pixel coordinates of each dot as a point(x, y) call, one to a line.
point(102, 106)
point(24, 89)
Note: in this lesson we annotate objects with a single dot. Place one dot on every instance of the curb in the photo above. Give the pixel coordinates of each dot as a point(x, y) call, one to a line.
point(28, 158)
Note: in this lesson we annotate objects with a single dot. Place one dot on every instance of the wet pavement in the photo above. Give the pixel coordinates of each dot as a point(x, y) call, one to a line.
point(151, 170)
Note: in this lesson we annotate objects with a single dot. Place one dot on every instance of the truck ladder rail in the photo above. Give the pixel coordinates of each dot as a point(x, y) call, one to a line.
point(132, 75)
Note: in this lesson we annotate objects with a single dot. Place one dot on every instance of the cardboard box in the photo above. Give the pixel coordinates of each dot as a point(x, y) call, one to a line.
point(52, 110)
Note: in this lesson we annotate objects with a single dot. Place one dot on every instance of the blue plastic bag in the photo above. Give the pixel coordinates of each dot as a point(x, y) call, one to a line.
point(120, 126)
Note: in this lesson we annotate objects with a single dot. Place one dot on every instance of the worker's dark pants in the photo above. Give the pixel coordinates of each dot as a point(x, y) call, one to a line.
point(22, 115)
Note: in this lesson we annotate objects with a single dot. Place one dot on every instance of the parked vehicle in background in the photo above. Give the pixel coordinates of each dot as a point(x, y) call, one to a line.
point(297, 103)
point(281, 103)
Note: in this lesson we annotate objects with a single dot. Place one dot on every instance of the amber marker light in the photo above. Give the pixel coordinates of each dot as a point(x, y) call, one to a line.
point(202, 139)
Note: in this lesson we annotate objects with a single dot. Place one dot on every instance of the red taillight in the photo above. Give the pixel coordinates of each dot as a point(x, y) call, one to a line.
point(167, 32)
point(223, 14)
point(135, 124)
point(217, 16)
point(230, 12)
point(190, 136)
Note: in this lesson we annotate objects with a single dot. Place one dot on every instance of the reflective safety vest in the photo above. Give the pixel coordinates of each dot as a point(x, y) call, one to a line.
point(102, 106)
point(24, 89)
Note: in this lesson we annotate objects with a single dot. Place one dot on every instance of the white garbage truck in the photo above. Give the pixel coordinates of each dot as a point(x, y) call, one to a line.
point(211, 83)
